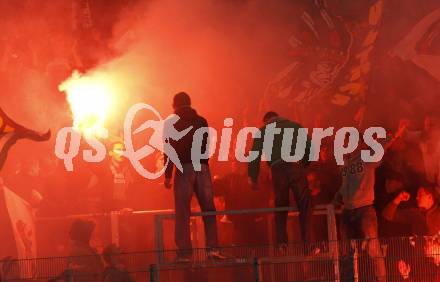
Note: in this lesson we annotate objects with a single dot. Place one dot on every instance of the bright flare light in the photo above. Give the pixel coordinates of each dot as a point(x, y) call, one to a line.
point(91, 101)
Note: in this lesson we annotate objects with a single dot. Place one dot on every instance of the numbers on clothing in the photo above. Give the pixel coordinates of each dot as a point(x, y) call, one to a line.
point(355, 168)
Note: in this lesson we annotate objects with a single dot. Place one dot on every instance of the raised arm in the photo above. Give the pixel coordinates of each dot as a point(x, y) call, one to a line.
point(402, 128)
point(391, 211)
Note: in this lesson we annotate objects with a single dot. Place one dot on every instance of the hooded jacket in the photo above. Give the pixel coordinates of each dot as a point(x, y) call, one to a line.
point(282, 123)
point(187, 117)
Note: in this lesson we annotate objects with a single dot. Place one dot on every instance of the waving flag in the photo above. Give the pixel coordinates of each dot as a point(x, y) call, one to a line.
point(11, 132)
point(332, 49)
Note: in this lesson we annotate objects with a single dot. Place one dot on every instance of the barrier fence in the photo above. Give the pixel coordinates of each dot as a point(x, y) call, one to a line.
point(391, 259)
point(404, 259)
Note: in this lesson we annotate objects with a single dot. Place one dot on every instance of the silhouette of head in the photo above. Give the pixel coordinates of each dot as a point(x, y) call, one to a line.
point(269, 115)
point(181, 99)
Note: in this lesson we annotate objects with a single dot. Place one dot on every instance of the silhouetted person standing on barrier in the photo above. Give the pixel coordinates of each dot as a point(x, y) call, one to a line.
point(286, 176)
point(190, 181)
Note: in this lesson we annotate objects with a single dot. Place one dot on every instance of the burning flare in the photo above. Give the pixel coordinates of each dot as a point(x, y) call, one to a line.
point(91, 102)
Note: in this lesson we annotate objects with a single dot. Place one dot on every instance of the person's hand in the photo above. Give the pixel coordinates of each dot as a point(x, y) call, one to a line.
point(337, 201)
point(167, 183)
point(253, 184)
point(402, 197)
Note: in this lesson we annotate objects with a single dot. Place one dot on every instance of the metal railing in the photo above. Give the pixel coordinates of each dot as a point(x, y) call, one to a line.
point(413, 258)
point(165, 258)
point(405, 259)
point(327, 210)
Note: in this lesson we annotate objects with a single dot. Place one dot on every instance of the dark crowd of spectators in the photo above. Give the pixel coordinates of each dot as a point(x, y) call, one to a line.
point(43, 46)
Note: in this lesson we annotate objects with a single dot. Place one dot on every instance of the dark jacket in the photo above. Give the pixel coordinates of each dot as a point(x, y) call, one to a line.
point(254, 166)
point(187, 117)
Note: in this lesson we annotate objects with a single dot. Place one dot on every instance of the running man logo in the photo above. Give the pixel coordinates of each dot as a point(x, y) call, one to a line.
point(11, 132)
point(164, 131)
